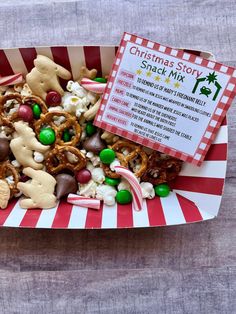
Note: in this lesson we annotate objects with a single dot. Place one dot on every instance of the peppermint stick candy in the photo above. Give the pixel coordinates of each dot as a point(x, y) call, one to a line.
point(93, 86)
point(135, 186)
point(11, 79)
point(83, 201)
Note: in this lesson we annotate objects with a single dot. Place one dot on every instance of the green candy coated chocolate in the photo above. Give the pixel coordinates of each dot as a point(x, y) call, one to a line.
point(47, 136)
point(100, 80)
point(111, 181)
point(124, 197)
point(162, 190)
point(107, 156)
point(66, 136)
point(36, 111)
point(90, 129)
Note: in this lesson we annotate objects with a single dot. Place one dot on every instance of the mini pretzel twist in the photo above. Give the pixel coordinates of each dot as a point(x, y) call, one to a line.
point(3, 110)
point(7, 169)
point(70, 122)
point(35, 99)
point(57, 159)
point(134, 151)
point(8, 119)
point(161, 169)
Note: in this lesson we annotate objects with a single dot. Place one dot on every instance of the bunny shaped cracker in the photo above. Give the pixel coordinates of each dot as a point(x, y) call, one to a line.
point(24, 143)
point(45, 77)
point(39, 191)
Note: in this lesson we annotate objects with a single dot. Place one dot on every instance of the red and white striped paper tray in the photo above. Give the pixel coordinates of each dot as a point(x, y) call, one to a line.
point(197, 192)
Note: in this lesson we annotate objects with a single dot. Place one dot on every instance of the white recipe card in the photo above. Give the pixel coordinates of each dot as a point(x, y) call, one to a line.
point(165, 98)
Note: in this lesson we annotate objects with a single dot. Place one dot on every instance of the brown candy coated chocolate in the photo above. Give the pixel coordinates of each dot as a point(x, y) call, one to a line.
point(4, 149)
point(94, 143)
point(65, 184)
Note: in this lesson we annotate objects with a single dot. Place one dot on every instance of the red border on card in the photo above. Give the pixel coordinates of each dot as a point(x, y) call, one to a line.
point(216, 119)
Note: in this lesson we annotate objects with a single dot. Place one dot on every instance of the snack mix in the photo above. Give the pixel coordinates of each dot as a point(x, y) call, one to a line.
point(49, 147)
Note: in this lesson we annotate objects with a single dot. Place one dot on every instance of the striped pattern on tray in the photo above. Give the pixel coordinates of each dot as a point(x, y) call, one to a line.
point(197, 192)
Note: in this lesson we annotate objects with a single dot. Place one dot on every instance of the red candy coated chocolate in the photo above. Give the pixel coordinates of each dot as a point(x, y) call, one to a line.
point(25, 113)
point(53, 98)
point(83, 176)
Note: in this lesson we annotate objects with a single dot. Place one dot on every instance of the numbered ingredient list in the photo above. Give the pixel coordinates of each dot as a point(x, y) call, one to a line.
point(163, 98)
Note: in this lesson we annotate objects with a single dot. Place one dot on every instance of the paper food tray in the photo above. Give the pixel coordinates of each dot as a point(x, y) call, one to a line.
point(197, 191)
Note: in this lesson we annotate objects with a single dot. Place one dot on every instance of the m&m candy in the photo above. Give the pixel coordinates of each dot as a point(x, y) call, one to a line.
point(123, 197)
point(36, 111)
point(90, 129)
point(111, 181)
point(25, 113)
point(107, 156)
point(162, 190)
point(47, 136)
point(66, 136)
point(83, 176)
point(53, 98)
point(100, 80)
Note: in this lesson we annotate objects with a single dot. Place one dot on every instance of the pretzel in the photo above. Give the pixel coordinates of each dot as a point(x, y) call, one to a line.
point(134, 151)
point(3, 110)
point(8, 119)
point(57, 160)
point(30, 100)
point(70, 121)
point(7, 169)
point(161, 169)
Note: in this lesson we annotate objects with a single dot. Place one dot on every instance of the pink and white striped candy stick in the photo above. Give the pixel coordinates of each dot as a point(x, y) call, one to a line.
point(135, 186)
point(93, 86)
point(11, 79)
point(83, 201)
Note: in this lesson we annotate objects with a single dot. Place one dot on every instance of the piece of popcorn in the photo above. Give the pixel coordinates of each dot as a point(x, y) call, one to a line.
point(56, 108)
point(83, 135)
point(74, 104)
point(115, 162)
point(91, 97)
point(88, 189)
point(4, 133)
point(71, 158)
point(136, 167)
point(26, 91)
point(83, 151)
point(106, 193)
point(15, 163)
point(98, 175)
point(10, 179)
point(124, 185)
point(59, 120)
point(147, 190)
point(95, 160)
point(90, 166)
point(76, 89)
point(13, 110)
point(90, 155)
point(38, 157)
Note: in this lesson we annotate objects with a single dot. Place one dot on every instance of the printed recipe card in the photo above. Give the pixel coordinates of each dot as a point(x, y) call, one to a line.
point(165, 98)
